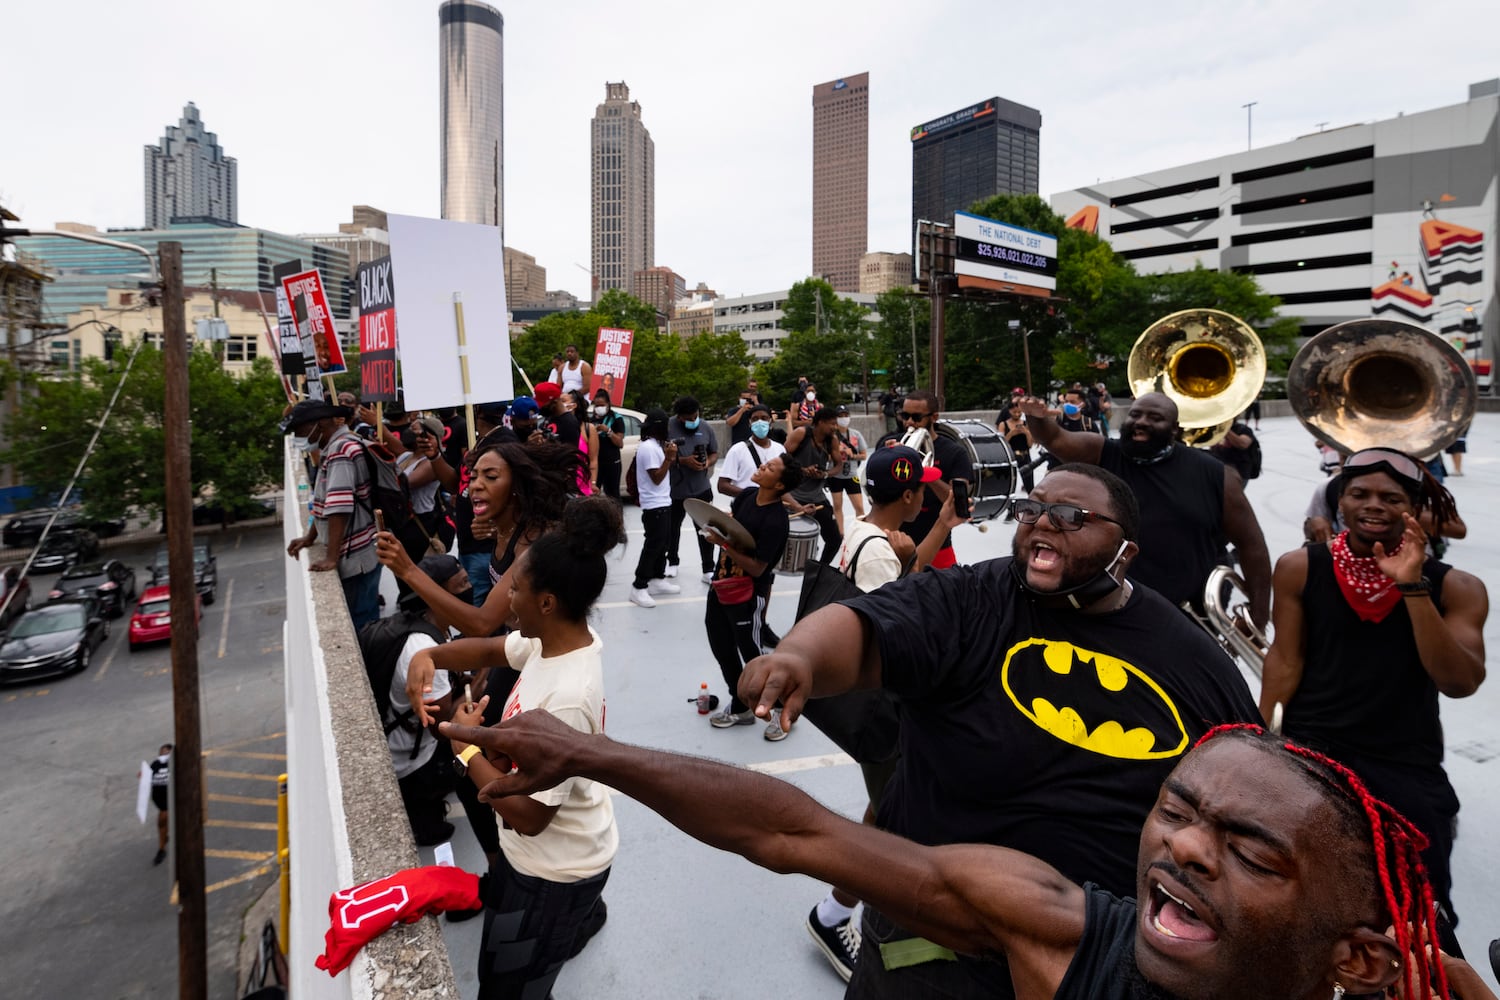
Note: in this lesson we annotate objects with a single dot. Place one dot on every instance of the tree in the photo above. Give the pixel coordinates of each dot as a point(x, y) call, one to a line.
point(712, 366)
point(236, 446)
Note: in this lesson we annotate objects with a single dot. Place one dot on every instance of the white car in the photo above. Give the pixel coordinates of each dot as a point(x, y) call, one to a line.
point(631, 442)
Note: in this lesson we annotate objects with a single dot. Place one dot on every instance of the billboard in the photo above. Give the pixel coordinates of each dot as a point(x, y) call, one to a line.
point(984, 248)
point(377, 332)
point(974, 111)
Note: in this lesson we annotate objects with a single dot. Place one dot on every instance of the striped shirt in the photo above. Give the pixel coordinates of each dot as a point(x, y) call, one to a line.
point(343, 487)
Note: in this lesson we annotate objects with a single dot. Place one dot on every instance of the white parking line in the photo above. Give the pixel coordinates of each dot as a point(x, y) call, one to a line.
point(224, 629)
point(108, 659)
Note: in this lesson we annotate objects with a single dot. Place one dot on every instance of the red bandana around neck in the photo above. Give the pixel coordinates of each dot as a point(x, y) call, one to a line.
point(1371, 593)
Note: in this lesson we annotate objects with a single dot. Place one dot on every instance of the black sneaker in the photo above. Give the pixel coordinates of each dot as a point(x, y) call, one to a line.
point(589, 927)
point(840, 943)
point(161, 856)
point(459, 916)
point(433, 836)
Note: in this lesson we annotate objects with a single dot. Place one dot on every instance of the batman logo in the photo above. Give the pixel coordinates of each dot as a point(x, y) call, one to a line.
point(1091, 700)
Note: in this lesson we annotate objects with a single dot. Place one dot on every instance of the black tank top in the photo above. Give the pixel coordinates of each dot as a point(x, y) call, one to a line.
point(810, 453)
point(1363, 687)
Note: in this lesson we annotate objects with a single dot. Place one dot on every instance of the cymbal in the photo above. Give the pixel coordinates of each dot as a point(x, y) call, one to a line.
point(706, 515)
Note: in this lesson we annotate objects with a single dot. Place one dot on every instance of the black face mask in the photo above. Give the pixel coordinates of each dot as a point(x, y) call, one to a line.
point(1078, 596)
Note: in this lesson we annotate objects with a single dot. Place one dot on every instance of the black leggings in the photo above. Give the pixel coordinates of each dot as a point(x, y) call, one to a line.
point(674, 537)
point(736, 635)
point(653, 562)
point(829, 528)
point(530, 925)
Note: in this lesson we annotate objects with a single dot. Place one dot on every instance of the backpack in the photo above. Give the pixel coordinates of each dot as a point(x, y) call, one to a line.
point(380, 645)
point(389, 491)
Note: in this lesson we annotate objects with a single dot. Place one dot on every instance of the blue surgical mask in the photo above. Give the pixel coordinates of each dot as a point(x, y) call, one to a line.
point(1070, 409)
point(691, 425)
point(760, 428)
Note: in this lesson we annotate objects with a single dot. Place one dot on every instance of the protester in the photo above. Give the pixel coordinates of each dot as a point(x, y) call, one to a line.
point(1240, 450)
point(1011, 425)
point(427, 524)
point(554, 419)
point(816, 448)
point(805, 408)
point(524, 416)
point(1043, 698)
point(451, 465)
point(654, 459)
point(542, 894)
point(342, 509)
point(1457, 449)
point(161, 782)
point(741, 585)
point(1101, 405)
point(737, 418)
point(1190, 503)
point(890, 405)
point(1264, 870)
point(692, 477)
point(588, 442)
point(357, 424)
point(919, 411)
point(845, 478)
point(609, 426)
point(576, 374)
point(1369, 630)
point(743, 459)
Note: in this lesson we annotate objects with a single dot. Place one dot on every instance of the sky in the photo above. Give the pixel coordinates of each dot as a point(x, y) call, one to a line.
point(331, 103)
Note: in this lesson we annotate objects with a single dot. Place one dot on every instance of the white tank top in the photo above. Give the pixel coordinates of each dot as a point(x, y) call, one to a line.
point(572, 378)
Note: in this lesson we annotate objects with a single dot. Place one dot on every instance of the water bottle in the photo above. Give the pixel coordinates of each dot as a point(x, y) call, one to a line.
point(705, 704)
point(303, 491)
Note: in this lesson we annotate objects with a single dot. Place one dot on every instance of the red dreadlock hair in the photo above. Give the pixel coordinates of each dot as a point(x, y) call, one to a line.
point(1398, 847)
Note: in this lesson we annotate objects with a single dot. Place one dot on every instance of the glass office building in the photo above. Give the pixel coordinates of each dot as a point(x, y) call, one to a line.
point(470, 58)
point(986, 149)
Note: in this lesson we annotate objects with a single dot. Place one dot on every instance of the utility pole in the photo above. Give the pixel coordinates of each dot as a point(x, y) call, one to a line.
point(1249, 120)
point(187, 751)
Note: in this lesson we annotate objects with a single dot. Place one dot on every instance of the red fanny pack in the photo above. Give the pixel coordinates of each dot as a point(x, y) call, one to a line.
point(734, 589)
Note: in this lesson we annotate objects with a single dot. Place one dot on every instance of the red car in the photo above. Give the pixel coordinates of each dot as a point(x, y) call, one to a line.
point(152, 621)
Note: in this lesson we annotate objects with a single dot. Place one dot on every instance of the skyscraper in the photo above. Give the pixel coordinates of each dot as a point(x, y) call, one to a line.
point(841, 168)
point(983, 150)
point(624, 191)
point(188, 175)
point(473, 112)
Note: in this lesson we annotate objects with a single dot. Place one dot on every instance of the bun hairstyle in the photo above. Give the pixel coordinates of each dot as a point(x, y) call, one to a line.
point(568, 562)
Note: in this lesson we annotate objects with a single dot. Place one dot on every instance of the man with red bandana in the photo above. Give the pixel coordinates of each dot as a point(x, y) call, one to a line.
point(1369, 631)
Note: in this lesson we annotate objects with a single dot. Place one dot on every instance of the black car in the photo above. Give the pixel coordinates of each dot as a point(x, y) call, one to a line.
point(205, 570)
point(65, 548)
point(56, 638)
point(23, 530)
point(20, 602)
point(111, 581)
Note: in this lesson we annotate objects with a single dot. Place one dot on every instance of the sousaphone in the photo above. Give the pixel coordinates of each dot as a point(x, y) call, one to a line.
point(1209, 363)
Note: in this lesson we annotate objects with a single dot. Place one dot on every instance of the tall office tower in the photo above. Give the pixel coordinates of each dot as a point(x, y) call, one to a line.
point(624, 191)
point(189, 177)
point(841, 168)
point(983, 150)
point(473, 112)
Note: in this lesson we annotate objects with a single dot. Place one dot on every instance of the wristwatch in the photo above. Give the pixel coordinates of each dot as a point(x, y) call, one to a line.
point(461, 760)
point(1422, 588)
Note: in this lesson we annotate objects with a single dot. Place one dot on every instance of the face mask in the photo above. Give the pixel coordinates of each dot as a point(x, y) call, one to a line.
point(1070, 409)
point(302, 444)
point(843, 421)
point(760, 428)
point(600, 411)
point(691, 425)
point(812, 396)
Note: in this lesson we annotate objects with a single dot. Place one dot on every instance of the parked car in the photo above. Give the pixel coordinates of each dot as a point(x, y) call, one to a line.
point(111, 581)
point(630, 441)
point(60, 637)
point(205, 570)
point(152, 621)
point(213, 510)
point(64, 548)
point(23, 530)
point(10, 580)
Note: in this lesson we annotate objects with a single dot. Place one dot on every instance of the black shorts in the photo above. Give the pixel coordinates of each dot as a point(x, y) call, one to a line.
point(159, 796)
point(837, 485)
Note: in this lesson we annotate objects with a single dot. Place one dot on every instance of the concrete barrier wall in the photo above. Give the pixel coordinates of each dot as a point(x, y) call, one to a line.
point(347, 823)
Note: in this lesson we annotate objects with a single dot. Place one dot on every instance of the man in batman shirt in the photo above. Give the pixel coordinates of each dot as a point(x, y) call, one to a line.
point(1043, 701)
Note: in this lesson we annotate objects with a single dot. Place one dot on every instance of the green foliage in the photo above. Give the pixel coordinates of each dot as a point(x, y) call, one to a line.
point(712, 367)
point(236, 438)
point(904, 320)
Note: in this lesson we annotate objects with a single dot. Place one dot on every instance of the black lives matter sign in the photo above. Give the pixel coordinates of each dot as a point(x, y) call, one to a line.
point(377, 332)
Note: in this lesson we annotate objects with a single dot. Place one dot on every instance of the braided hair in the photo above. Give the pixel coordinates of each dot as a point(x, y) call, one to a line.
point(1426, 493)
point(1398, 845)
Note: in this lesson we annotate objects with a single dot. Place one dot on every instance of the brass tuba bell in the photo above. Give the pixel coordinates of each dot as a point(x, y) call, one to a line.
point(1379, 383)
point(1211, 364)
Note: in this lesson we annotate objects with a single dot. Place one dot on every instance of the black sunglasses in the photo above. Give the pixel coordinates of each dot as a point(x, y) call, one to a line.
point(908, 415)
point(1064, 516)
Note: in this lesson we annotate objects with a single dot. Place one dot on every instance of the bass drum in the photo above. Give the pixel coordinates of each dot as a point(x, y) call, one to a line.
point(995, 473)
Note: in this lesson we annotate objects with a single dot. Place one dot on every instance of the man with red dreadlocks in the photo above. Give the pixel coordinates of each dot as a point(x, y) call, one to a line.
point(1265, 870)
point(1369, 630)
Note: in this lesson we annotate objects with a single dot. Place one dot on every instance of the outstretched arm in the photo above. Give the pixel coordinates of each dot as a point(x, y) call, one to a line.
point(831, 651)
point(1070, 446)
point(974, 899)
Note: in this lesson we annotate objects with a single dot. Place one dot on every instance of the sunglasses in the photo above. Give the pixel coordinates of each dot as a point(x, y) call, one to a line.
point(1064, 516)
point(908, 415)
point(1373, 458)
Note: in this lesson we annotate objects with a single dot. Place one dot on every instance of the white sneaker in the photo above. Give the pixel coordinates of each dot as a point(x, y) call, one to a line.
point(664, 587)
point(708, 577)
point(671, 571)
point(774, 733)
point(642, 598)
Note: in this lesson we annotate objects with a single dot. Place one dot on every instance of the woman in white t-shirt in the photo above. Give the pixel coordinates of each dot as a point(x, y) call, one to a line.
point(542, 894)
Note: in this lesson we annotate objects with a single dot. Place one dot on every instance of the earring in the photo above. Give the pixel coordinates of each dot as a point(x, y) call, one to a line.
point(1338, 991)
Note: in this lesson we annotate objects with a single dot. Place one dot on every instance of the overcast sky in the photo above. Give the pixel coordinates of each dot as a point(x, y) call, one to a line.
point(329, 103)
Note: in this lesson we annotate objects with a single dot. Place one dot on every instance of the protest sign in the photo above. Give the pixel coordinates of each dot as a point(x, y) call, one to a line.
point(317, 333)
point(612, 363)
point(292, 362)
point(377, 332)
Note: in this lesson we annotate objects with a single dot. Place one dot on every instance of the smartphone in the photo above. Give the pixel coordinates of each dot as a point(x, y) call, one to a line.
point(961, 498)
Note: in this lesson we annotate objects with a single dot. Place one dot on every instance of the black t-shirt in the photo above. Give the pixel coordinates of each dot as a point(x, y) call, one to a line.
point(610, 423)
point(1240, 460)
point(1363, 687)
point(953, 458)
point(564, 425)
point(1104, 963)
point(768, 525)
point(992, 687)
point(1182, 518)
point(741, 429)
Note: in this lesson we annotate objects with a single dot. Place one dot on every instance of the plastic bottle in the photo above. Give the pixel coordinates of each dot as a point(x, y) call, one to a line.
point(303, 492)
point(704, 707)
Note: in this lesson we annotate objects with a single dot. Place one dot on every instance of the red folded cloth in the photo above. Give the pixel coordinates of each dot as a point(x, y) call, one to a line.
point(359, 915)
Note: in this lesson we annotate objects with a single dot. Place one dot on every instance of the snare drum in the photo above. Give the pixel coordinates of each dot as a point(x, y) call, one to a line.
point(994, 465)
point(801, 539)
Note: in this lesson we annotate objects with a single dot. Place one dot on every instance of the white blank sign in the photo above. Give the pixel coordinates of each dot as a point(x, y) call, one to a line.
point(432, 260)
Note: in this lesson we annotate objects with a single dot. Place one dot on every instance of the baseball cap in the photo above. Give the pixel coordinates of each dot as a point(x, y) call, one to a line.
point(441, 568)
point(842, 409)
point(523, 408)
point(898, 467)
point(547, 393)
